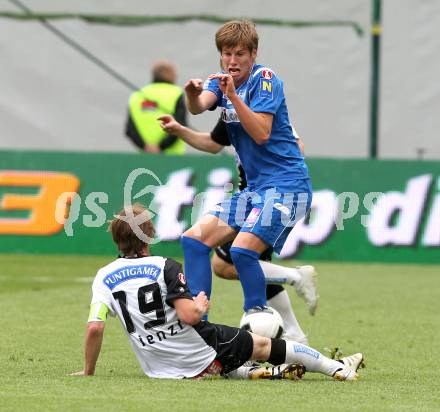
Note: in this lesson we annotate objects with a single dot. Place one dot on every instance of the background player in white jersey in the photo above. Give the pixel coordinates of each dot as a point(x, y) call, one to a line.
point(163, 322)
point(254, 109)
point(302, 278)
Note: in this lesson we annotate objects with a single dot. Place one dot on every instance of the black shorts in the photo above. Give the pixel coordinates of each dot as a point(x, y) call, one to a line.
point(224, 253)
point(233, 346)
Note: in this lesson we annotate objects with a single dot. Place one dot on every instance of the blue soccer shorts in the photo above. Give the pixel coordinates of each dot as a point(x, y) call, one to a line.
point(268, 213)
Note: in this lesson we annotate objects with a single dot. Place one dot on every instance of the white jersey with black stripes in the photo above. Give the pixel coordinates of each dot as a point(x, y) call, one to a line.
point(140, 292)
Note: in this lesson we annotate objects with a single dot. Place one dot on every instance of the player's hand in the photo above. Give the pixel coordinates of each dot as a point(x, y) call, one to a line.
point(202, 303)
point(79, 373)
point(226, 83)
point(169, 124)
point(193, 88)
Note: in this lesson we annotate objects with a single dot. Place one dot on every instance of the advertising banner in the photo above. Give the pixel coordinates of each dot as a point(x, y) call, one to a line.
point(362, 210)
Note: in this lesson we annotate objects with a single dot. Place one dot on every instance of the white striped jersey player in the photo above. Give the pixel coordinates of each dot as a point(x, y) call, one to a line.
point(140, 291)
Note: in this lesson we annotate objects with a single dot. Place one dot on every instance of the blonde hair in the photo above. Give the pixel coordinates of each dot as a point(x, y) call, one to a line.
point(122, 233)
point(237, 33)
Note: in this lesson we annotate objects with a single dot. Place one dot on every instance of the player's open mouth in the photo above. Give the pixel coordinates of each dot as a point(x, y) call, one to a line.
point(234, 71)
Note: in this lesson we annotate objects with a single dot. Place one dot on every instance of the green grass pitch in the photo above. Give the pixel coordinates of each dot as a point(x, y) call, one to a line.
point(389, 312)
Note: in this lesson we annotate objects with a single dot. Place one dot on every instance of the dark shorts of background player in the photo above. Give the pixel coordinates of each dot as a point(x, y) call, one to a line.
point(233, 346)
point(224, 253)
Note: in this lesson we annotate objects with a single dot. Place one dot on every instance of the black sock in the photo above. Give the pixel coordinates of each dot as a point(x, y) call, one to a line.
point(277, 352)
point(273, 290)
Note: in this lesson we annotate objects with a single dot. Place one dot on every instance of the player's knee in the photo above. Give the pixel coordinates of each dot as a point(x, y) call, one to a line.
point(223, 269)
point(241, 256)
point(193, 245)
point(262, 347)
point(189, 233)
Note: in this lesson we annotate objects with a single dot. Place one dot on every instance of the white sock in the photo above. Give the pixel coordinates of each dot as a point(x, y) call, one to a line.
point(281, 303)
point(240, 373)
point(279, 274)
point(313, 360)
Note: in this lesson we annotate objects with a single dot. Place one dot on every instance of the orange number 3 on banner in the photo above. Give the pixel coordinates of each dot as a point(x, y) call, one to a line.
point(41, 220)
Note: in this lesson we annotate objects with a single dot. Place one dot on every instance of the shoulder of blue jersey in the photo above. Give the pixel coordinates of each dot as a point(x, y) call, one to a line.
point(264, 76)
point(265, 73)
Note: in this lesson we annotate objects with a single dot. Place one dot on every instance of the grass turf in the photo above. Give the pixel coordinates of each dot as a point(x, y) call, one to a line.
point(389, 312)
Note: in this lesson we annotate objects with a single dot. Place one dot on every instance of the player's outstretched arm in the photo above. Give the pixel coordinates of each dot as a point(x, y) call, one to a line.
point(198, 140)
point(197, 99)
point(192, 311)
point(92, 347)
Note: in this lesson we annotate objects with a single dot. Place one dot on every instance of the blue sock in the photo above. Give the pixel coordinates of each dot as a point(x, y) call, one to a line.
point(251, 276)
point(197, 265)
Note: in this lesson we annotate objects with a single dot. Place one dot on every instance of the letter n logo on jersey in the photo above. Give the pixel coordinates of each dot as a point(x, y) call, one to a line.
point(266, 89)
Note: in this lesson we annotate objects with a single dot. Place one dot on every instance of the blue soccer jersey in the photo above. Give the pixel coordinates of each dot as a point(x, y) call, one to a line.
point(277, 162)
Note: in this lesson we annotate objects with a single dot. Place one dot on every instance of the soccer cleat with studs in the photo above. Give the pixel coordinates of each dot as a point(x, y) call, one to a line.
point(354, 362)
point(289, 371)
point(350, 366)
point(345, 374)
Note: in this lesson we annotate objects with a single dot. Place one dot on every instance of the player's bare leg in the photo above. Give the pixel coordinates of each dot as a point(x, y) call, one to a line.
point(223, 269)
point(211, 231)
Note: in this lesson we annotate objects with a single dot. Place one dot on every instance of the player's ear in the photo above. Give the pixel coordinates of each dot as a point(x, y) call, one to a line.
point(254, 54)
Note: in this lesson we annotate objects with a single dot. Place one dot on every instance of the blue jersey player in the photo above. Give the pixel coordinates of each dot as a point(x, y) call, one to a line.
point(253, 107)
